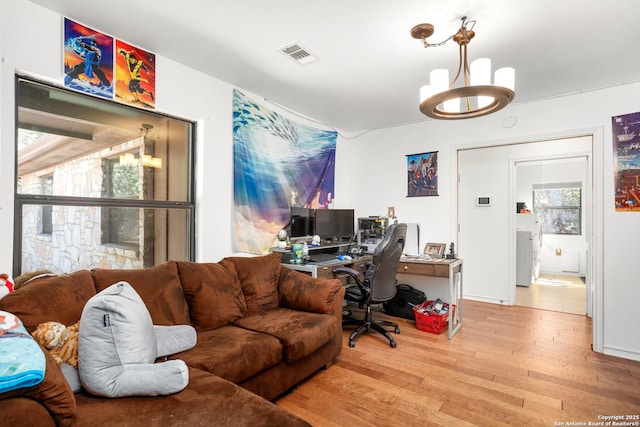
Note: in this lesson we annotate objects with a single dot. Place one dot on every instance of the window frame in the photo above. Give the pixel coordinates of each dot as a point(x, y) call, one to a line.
point(543, 210)
point(21, 200)
point(46, 211)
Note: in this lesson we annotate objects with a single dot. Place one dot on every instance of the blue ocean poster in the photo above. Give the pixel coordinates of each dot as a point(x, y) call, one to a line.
point(278, 163)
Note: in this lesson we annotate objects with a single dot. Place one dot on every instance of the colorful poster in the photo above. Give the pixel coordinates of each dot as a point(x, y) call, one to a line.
point(135, 75)
point(87, 59)
point(278, 164)
point(422, 174)
point(626, 161)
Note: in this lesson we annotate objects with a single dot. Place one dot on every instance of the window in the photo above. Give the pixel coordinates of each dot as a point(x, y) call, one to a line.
point(559, 206)
point(121, 226)
point(46, 220)
point(111, 185)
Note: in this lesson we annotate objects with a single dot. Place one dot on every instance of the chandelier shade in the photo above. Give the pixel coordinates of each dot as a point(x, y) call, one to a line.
point(477, 96)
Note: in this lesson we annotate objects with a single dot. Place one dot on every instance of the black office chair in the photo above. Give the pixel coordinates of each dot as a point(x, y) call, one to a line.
point(378, 286)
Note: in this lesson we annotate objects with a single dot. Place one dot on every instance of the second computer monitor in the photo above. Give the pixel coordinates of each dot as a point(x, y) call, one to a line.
point(335, 224)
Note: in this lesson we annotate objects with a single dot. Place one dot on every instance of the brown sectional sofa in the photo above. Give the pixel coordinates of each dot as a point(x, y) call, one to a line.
point(261, 329)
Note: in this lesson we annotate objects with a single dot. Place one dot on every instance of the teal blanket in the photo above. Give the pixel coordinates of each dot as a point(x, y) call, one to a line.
point(22, 362)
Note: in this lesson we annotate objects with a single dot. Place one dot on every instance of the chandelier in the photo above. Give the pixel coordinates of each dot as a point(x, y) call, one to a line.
point(477, 96)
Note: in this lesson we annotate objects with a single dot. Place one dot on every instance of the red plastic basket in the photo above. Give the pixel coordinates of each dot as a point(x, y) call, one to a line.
point(434, 323)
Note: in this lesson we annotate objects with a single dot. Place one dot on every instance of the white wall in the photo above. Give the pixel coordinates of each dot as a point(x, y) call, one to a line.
point(370, 170)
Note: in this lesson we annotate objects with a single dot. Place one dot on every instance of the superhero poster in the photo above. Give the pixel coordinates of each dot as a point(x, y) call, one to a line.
point(135, 75)
point(626, 161)
point(88, 60)
point(422, 174)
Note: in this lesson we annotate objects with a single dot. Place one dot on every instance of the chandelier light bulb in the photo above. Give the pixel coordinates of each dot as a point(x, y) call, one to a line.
point(439, 80)
point(506, 77)
point(425, 92)
point(481, 75)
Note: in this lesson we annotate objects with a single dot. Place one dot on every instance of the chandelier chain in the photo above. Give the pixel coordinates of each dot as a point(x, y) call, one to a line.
point(466, 26)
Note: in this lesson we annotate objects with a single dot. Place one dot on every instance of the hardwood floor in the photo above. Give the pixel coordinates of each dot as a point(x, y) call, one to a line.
point(511, 366)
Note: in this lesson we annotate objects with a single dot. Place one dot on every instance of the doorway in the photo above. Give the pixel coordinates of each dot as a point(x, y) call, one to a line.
point(555, 191)
point(487, 231)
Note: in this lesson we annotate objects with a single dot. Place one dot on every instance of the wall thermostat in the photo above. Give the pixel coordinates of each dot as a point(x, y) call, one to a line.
point(483, 201)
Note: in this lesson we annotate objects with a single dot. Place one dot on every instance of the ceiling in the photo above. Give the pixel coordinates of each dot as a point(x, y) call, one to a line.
point(371, 68)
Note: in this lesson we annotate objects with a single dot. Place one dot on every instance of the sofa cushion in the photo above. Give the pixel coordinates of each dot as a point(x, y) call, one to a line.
point(301, 333)
point(208, 400)
point(53, 298)
point(213, 293)
point(300, 291)
point(233, 353)
point(259, 279)
point(159, 287)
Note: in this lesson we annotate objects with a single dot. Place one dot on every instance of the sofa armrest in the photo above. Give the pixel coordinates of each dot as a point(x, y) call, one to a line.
point(300, 291)
point(51, 401)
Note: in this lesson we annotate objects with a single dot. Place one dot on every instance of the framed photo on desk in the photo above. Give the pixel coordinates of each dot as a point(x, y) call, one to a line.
point(435, 250)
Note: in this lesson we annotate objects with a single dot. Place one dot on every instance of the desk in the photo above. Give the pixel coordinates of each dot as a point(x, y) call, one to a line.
point(325, 270)
point(410, 266)
point(450, 269)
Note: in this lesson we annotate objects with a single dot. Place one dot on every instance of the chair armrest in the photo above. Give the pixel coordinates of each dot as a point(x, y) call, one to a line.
point(364, 289)
point(350, 271)
point(300, 291)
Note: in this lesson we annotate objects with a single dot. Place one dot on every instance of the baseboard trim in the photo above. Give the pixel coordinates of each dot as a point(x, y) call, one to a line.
point(622, 352)
point(485, 299)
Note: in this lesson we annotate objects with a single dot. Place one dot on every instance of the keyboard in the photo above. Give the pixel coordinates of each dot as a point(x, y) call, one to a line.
point(320, 258)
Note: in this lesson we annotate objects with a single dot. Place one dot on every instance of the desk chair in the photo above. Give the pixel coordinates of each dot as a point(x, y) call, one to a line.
point(379, 284)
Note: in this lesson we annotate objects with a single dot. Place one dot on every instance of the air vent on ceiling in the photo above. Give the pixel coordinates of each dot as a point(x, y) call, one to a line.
point(299, 53)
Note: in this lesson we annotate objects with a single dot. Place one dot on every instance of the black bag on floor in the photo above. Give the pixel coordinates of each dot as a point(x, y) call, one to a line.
point(402, 304)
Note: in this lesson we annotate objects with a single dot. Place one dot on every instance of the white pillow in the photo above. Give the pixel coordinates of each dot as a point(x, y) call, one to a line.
point(174, 339)
point(117, 347)
point(71, 375)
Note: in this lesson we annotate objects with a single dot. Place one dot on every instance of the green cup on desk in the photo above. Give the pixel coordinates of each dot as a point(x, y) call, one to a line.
point(297, 253)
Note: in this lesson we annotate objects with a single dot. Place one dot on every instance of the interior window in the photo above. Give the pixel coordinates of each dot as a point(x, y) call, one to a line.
point(559, 206)
point(99, 184)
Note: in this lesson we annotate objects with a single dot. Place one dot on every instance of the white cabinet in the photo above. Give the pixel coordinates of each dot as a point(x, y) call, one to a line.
point(528, 243)
point(525, 268)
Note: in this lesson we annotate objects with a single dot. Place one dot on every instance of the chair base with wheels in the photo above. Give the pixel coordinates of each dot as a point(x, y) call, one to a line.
point(364, 326)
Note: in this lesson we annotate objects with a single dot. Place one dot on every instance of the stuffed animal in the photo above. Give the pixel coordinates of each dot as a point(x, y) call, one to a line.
point(22, 279)
point(8, 322)
point(60, 340)
point(6, 286)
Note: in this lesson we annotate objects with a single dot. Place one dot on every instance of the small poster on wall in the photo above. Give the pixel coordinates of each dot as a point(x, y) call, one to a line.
point(422, 174)
point(626, 161)
point(87, 59)
point(135, 75)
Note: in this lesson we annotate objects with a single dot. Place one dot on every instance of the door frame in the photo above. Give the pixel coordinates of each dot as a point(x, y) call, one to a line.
point(513, 165)
point(595, 250)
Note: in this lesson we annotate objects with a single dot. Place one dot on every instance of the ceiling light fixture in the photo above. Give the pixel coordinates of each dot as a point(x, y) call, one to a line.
point(441, 100)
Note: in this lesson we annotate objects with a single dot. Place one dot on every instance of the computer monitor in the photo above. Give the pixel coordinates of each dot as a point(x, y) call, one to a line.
point(302, 222)
point(335, 224)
